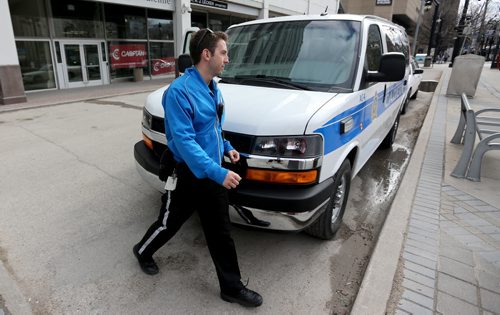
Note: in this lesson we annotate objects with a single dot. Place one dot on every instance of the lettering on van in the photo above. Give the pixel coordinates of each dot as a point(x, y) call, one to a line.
point(393, 93)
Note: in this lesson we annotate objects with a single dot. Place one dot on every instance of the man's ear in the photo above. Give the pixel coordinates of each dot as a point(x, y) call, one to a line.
point(206, 53)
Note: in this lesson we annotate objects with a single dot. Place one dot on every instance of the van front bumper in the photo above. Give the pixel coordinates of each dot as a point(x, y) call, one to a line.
point(275, 208)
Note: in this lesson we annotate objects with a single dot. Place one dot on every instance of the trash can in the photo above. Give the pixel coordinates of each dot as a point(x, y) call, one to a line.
point(428, 61)
point(465, 75)
point(138, 74)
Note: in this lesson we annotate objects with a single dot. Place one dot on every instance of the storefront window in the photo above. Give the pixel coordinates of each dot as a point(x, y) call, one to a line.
point(125, 22)
point(36, 65)
point(217, 22)
point(238, 20)
point(125, 56)
point(199, 19)
point(29, 18)
point(77, 19)
point(160, 25)
point(162, 58)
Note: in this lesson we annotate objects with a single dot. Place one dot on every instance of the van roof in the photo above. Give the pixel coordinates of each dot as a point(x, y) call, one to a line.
point(315, 17)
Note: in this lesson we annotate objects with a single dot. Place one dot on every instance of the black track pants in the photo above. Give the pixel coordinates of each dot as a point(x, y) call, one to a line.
point(210, 200)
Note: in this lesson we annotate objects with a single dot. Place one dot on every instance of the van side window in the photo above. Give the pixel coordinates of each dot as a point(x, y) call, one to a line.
point(397, 42)
point(374, 48)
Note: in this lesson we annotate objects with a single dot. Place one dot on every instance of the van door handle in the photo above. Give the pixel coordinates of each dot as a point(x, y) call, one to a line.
point(385, 89)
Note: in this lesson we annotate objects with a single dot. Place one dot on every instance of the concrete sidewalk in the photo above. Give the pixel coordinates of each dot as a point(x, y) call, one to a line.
point(11, 298)
point(439, 250)
point(56, 97)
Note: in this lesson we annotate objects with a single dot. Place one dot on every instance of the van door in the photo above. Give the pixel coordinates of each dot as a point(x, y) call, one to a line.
point(374, 96)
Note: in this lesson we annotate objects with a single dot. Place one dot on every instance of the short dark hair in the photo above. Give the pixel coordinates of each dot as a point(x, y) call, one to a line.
point(204, 39)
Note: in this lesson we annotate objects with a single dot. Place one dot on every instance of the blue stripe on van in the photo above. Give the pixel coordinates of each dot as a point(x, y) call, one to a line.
point(361, 115)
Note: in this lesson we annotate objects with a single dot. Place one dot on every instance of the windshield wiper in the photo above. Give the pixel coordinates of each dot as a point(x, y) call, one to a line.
point(229, 80)
point(286, 82)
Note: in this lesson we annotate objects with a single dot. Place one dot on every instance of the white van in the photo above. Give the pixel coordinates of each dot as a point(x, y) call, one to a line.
point(308, 100)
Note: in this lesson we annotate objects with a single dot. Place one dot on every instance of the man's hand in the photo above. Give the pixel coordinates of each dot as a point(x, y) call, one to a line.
point(232, 180)
point(234, 156)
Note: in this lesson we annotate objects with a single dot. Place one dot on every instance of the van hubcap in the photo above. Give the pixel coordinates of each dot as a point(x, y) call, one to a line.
point(338, 199)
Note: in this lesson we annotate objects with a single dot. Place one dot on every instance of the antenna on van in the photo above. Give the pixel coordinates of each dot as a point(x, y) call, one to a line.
point(326, 12)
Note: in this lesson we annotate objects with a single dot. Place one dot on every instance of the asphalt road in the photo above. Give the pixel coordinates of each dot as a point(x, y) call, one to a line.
point(72, 206)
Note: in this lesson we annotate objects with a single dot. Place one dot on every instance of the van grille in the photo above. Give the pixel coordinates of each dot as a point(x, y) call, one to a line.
point(241, 142)
point(157, 124)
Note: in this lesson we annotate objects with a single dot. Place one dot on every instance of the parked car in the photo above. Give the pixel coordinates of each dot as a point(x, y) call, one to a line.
point(420, 58)
point(43, 74)
point(415, 78)
point(308, 100)
point(413, 84)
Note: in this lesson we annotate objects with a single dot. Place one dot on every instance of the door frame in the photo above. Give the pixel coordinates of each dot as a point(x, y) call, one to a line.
point(103, 64)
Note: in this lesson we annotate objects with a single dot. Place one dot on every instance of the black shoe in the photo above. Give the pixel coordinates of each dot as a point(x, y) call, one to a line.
point(148, 265)
point(245, 297)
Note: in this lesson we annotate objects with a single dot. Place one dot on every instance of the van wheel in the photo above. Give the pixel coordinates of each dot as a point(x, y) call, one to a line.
point(406, 102)
point(329, 222)
point(391, 136)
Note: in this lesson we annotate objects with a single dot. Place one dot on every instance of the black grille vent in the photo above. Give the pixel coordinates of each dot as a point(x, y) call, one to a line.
point(242, 143)
point(157, 124)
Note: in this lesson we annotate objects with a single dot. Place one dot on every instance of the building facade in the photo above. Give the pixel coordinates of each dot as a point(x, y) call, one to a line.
point(406, 13)
point(59, 44)
point(402, 12)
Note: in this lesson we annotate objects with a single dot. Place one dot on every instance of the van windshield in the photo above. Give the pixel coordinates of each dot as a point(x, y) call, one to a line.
point(311, 55)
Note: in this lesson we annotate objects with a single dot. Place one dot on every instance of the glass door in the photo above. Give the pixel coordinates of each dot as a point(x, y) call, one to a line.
point(81, 63)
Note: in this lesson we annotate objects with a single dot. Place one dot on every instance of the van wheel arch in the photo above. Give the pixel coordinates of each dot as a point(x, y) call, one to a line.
point(330, 220)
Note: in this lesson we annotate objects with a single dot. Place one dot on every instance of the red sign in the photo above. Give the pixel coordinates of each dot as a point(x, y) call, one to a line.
point(163, 65)
point(128, 56)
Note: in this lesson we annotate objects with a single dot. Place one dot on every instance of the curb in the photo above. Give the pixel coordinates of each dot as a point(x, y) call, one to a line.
point(15, 303)
point(376, 286)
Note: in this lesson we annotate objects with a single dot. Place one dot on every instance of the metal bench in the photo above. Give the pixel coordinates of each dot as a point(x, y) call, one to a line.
point(488, 130)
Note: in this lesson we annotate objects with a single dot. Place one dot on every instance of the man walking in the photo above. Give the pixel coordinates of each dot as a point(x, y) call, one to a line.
point(193, 108)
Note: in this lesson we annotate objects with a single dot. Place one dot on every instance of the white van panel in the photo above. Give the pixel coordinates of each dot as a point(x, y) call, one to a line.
point(287, 111)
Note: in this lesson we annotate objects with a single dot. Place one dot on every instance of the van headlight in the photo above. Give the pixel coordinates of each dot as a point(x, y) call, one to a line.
point(147, 119)
point(289, 147)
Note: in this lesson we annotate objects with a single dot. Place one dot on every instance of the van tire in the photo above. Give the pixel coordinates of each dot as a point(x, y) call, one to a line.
point(329, 222)
point(391, 135)
point(414, 96)
point(405, 103)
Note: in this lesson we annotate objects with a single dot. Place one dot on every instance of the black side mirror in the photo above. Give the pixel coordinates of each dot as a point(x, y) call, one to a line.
point(392, 68)
point(183, 62)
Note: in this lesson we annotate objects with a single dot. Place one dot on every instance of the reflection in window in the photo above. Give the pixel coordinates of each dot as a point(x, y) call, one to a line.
point(199, 19)
point(125, 22)
point(162, 58)
point(160, 25)
point(397, 42)
point(320, 55)
point(217, 22)
point(374, 48)
point(29, 18)
point(125, 56)
point(36, 65)
point(81, 19)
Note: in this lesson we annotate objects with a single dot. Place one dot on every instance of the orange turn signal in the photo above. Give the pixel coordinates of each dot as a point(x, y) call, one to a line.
point(147, 141)
point(282, 177)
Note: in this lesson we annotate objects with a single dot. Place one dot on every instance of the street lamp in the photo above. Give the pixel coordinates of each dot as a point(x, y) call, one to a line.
point(433, 27)
point(460, 29)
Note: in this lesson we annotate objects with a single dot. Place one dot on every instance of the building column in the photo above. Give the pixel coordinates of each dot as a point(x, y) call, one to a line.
point(264, 12)
point(182, 20)
point(11, 80)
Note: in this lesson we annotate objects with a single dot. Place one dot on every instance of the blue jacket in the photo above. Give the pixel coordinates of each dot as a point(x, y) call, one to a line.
point(194, 133)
